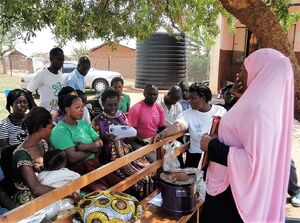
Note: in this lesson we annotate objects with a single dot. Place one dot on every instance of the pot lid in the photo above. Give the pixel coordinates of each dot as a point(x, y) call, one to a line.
point(178, 178)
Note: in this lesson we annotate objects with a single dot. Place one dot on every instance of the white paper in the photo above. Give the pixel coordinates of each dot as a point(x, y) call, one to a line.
point(122, 131)
point(157, 200)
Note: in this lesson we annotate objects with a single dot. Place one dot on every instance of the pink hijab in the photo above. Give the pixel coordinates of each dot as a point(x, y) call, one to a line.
point(258, 130)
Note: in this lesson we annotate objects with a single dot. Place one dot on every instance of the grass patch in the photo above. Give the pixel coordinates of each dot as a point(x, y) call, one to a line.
point(3, 111)
point(7, 82)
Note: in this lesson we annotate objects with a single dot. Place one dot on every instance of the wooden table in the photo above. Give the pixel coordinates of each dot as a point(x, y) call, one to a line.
point(155, 214)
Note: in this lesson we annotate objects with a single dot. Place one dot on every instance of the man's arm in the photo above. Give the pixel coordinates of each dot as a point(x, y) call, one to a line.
point(174, 129)
point(133, 116)
point(34, 85)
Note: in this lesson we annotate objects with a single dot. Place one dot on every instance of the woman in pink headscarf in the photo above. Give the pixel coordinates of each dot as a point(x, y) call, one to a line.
point(248, 172)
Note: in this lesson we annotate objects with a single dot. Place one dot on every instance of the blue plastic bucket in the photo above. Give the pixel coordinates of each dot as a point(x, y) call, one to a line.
point(6, 92)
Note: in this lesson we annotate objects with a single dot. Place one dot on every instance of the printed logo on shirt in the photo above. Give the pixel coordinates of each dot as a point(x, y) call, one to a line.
point(155, 115)
point(22, 136)
point(54, 104)
point(57, 87)
point(198, 126)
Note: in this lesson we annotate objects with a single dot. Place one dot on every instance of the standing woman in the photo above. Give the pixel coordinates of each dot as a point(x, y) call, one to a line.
point(28, 157)
point(197, 120)
point(12, 129)
point(249, 165)
point(124, 100)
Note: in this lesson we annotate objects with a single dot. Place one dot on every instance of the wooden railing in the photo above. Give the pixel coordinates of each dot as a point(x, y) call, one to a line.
point(59, 193)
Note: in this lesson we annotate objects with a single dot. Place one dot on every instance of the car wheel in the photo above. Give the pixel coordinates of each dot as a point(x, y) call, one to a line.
point(99, 85)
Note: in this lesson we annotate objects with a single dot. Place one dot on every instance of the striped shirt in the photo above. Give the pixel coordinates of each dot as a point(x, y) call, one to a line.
point(14, 133)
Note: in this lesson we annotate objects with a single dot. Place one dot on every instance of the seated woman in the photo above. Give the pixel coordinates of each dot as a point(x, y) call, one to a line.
point(113, 149)
point(58, 115)
point(12, 129)
point(80, 142)
point(28, 157)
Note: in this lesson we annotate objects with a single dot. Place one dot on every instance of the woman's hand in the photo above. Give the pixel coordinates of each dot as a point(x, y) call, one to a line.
point(110, 136)
point(205, 139)
point(94, 147)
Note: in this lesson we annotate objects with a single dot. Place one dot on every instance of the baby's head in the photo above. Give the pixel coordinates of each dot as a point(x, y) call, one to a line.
point(54, 159)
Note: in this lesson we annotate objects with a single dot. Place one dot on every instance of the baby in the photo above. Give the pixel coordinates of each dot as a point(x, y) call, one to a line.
point(56, 175)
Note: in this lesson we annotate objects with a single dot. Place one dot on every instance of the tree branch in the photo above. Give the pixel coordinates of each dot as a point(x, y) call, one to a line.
point(171, 17)
point(3, 52)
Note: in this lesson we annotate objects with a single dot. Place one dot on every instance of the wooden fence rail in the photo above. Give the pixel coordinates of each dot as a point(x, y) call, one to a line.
point(43, 201)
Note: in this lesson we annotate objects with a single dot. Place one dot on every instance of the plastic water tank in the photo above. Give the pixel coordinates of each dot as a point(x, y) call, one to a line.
point(161, 60)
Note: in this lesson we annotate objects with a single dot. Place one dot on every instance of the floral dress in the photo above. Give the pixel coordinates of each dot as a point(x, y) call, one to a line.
point(113, 150)
point(21, 157)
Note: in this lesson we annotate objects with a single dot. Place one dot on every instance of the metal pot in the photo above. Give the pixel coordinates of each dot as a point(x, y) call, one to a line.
point(178, 192)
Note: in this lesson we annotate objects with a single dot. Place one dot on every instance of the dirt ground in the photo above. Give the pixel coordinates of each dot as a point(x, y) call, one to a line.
point(291, 212)
point(137, 95)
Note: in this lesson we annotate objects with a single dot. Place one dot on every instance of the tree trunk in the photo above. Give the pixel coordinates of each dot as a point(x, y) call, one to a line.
point(262, 22)
point(4, 65)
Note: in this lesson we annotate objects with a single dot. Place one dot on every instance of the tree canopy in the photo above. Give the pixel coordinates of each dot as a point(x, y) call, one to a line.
point(114, 20)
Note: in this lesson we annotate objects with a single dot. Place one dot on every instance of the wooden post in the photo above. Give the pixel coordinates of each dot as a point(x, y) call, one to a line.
point(108, 65)
point(10, 64)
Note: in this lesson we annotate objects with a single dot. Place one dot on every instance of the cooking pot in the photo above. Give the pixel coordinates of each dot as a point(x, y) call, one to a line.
point(178, 192)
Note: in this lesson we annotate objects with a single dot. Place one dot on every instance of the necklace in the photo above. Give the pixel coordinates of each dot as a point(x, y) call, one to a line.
point(107, 115)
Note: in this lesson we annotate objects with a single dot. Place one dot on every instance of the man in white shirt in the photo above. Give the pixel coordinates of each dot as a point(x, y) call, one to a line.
point(49, 81)
point(170, 104)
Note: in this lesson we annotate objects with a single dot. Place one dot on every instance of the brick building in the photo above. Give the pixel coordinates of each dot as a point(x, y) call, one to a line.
point(19, 61)
point(114, 58)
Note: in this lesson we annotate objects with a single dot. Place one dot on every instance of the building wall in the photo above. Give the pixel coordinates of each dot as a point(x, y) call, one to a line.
point(119, 58)
point(214, 62)
point(228, 66)
point(18, 61)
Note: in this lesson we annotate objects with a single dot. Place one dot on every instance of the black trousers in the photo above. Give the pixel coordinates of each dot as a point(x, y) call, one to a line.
point(293, 187)
point(220, 208)
point(192, 159)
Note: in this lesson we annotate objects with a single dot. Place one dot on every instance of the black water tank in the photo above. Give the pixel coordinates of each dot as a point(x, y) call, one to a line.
point(161, 60)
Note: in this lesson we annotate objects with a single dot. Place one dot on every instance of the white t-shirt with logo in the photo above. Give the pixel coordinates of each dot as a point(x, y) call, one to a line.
point(48, 84)
point(198, 123)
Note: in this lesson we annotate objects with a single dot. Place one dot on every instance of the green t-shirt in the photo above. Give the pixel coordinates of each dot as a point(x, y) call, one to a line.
point(65, 136)
point(124, 102)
